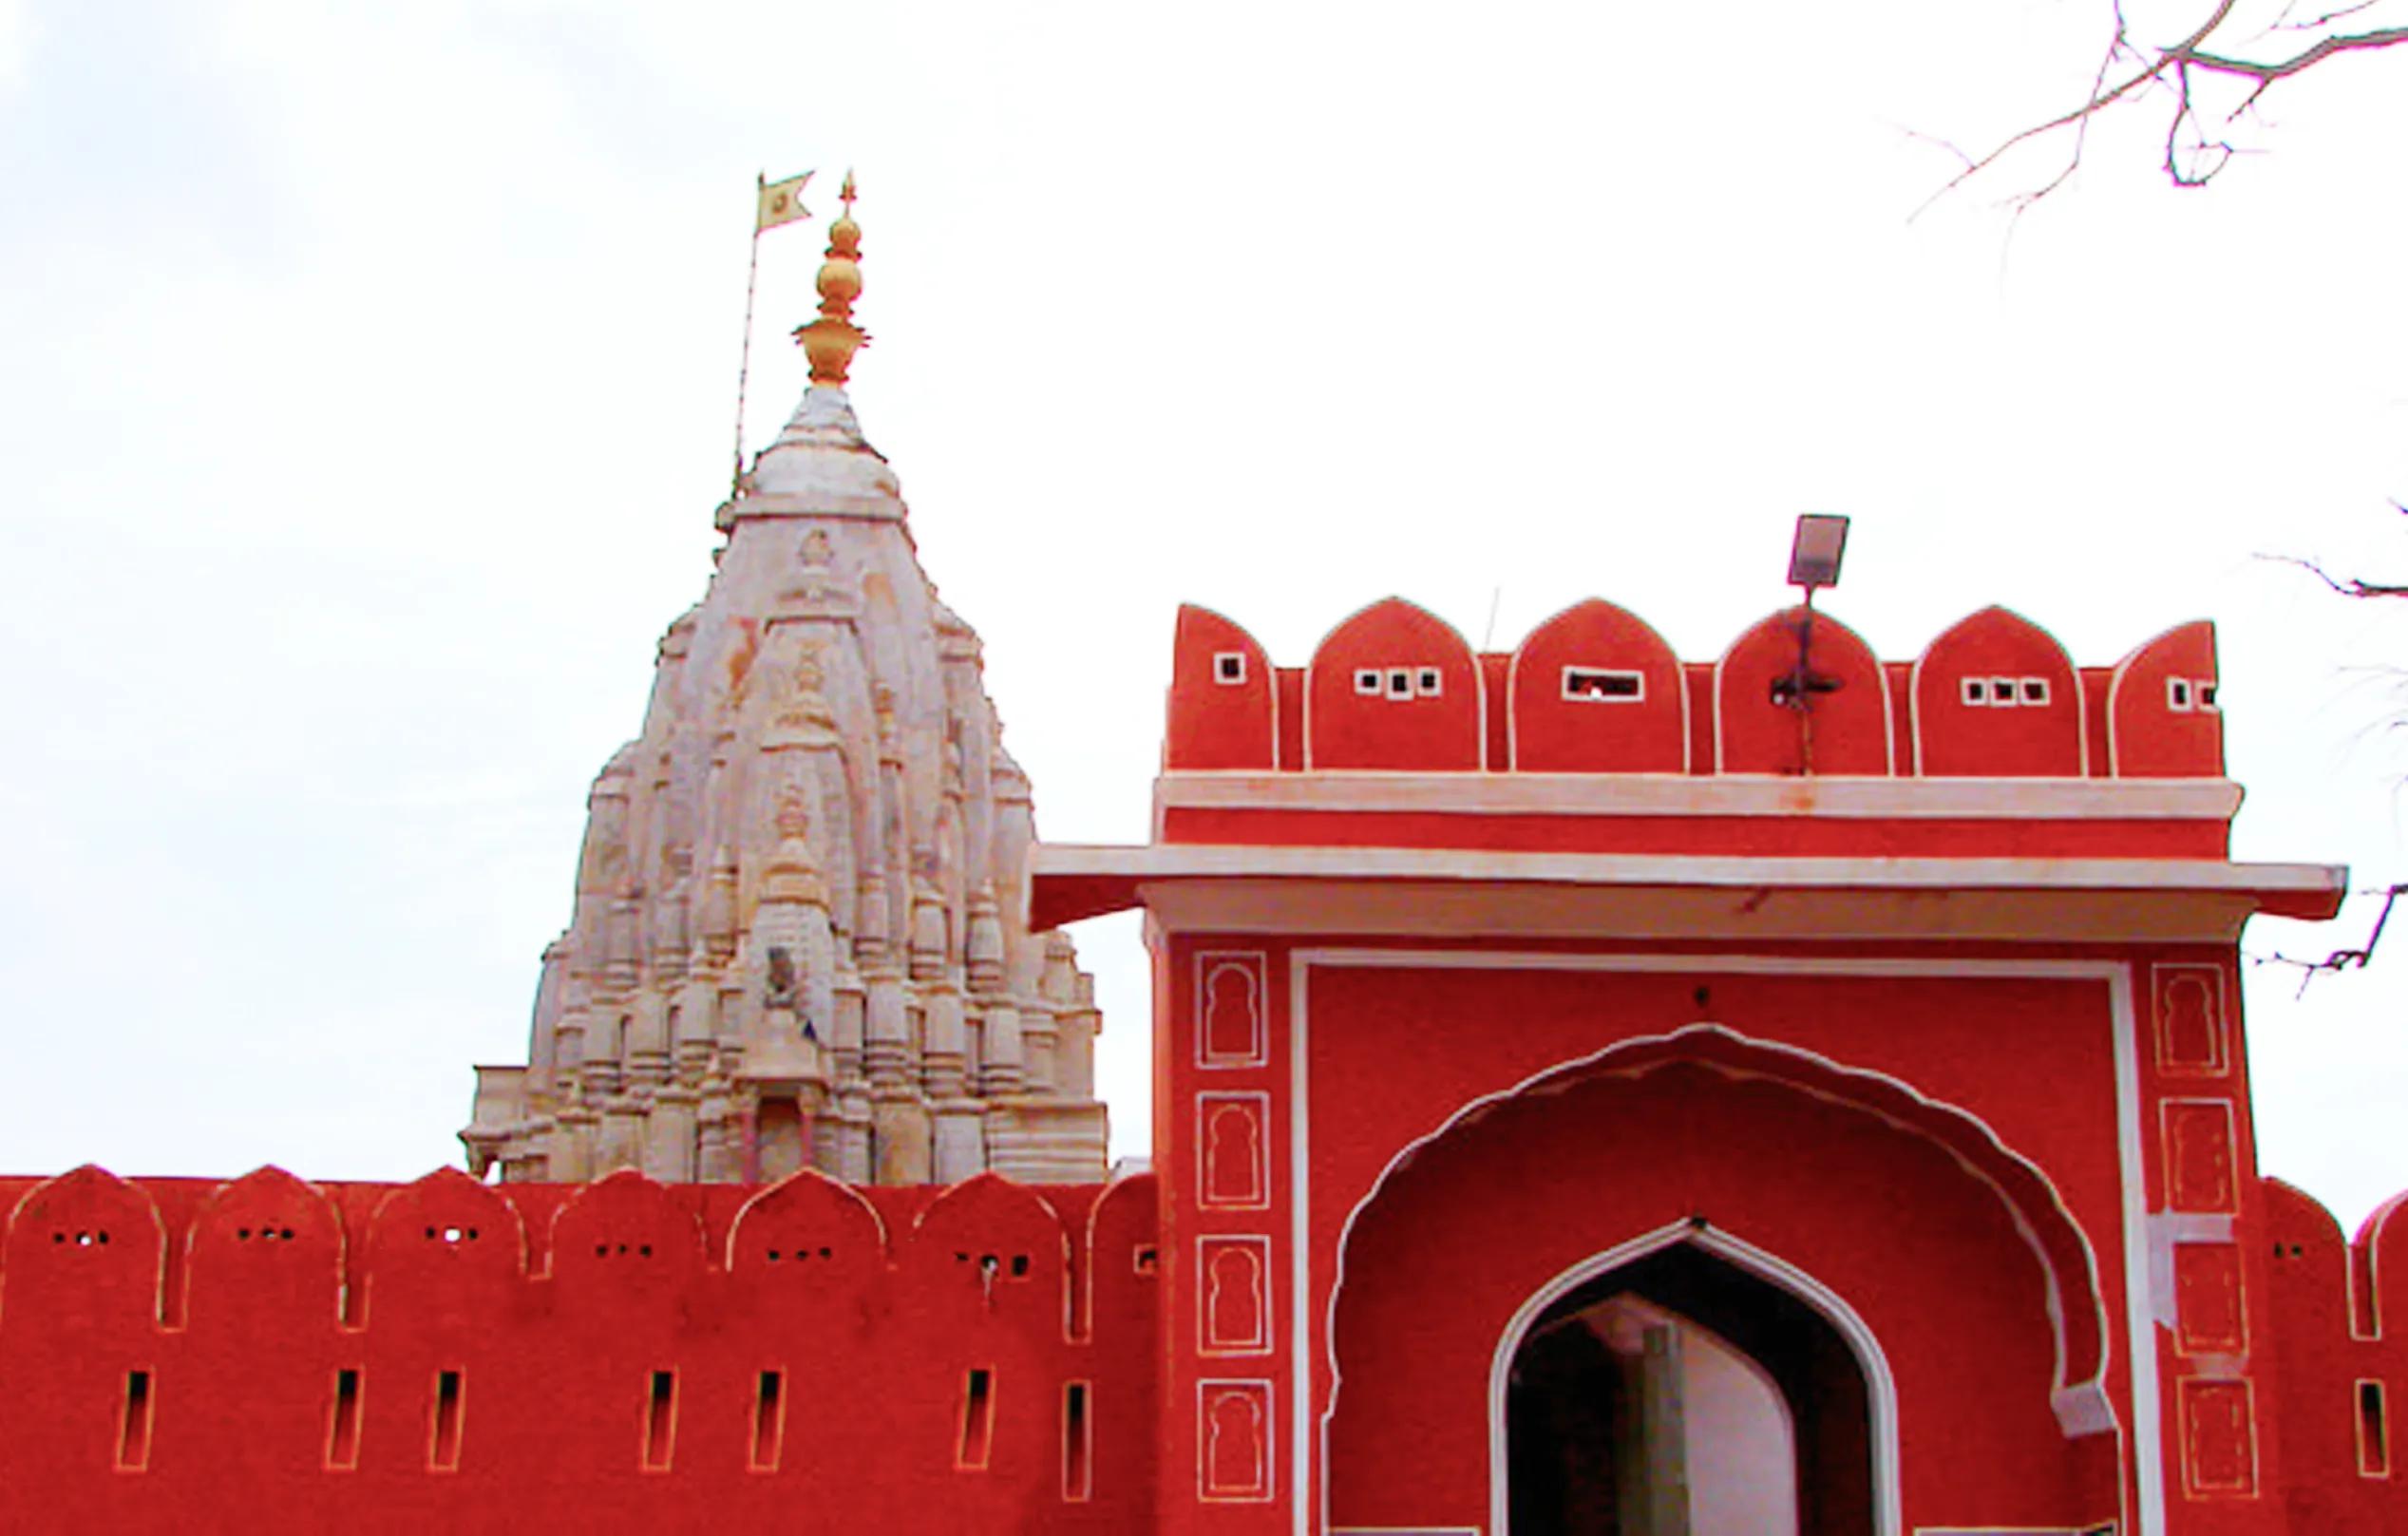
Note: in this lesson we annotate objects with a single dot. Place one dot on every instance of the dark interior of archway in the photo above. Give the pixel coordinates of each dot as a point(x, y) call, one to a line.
point(1566, 1411)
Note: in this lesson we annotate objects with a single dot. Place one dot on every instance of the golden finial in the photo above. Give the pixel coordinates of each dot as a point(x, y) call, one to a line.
point(832, 340)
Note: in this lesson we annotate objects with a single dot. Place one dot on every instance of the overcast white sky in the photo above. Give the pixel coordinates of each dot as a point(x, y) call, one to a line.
point(365, 392)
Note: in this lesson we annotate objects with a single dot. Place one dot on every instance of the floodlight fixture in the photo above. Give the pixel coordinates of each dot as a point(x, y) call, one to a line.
point(1814, 553)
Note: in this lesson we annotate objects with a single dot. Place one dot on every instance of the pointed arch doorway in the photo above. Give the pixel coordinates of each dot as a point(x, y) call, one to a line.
point(1675, 1393)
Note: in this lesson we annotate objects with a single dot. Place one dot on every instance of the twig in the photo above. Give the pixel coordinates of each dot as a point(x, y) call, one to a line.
point(2193, 156)
point(2348, 586)
point(2342, 960)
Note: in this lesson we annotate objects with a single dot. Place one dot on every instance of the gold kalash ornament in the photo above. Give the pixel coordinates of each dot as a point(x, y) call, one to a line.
point(832, 340)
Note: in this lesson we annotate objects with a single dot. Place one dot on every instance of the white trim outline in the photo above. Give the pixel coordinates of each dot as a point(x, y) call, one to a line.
point(2208, 1349)
point(1597, 678)
point(1061, 1235)
point(1880, 1387)
point(2378, 1465)
point(1880, 674)
point(2232, 1165)
point(1479, 681)
point(2122, 670)
point(1255, 966)
point(1209, 1246)
point(1248, 647)
point(2185, 1391)
point(1842, 796)
point(2162, 976)
point(2141, 1483)
point(1268, 1397)
point(2370, 1237)
point(1258, 1104)
point(137, 1203)
point(2017, 685)
point(1664, 651)
point(1117, 1187)
point(805, 1176)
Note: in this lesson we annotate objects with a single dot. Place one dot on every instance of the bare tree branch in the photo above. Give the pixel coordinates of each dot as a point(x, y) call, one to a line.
point(2348, 586)
point(2285, 24)
point(2128, 72)
point(2315, 53)
point(2342, 959)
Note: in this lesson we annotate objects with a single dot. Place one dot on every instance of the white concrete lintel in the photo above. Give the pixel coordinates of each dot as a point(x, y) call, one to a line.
point(1190, 887)
point(1678, 794)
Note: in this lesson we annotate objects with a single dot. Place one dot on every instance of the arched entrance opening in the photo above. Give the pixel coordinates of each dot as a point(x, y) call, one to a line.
point(1677, 1394)
point(1961, 1285)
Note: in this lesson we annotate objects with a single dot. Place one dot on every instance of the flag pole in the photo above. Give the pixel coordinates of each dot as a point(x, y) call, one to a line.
point(744, 363)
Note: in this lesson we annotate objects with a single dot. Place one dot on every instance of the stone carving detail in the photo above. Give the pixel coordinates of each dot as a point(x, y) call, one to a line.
point(787, 947)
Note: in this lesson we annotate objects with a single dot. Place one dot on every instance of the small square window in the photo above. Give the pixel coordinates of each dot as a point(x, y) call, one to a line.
point(2002, 693)
point(1426, 682)
point(1400, 683)
point(1230, 666)
point(1973, 691)
point(2207, 693)
point(1367, 681)
point(2035, 691)
point(2178, 694)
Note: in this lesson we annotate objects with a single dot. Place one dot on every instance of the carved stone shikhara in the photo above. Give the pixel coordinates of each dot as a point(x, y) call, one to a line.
point(791, 944)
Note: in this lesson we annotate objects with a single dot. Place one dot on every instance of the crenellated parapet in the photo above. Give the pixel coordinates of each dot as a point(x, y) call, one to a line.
point(620, 1348)
point(1990, 788)
point(1595, 690)
point(2340, 1322)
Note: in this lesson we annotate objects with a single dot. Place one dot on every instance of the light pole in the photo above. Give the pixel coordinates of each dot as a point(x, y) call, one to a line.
point(1814, 560)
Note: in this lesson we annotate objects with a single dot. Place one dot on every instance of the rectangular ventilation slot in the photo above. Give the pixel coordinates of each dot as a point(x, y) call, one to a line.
point(977, 1420)
point(1077, 1450)
point(133, 1435)
point(342, 1435)
point(2374, 1435)
point(1597, 683)
point(661, 1422)
point(442, 1448)
point(769, 1421)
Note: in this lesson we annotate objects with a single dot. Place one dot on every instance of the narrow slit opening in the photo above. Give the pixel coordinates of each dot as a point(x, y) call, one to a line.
point(1077, 1460)
point(443, 1450)
point(342, 1435)
point(2374, 1434)
point(768, 1420)
point(977, 1419)
point(660, 1421)
point(133, 1435)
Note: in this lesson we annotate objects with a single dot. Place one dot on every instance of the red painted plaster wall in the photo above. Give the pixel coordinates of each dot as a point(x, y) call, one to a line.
point(1997, 697)
point(1847, 730)
point(1403, 723)
point(1222, 697)
point(1565, 718)
point(2157, 728)
point(618, 1387)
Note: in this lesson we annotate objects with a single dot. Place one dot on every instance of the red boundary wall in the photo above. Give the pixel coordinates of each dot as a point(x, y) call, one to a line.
point(271, 1354)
